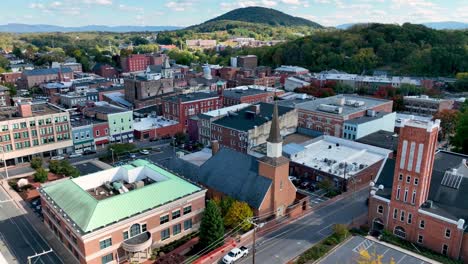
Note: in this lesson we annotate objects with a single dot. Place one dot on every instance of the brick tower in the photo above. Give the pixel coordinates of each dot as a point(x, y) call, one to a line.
point(412, 176)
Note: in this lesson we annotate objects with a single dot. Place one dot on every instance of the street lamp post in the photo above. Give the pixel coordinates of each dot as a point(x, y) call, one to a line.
point(112, 151)
point(38, 255)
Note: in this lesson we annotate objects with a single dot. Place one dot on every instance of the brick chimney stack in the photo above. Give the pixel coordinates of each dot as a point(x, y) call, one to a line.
point(214, 147)
point(25, 109)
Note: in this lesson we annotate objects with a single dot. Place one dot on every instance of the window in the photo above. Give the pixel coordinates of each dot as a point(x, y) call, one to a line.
point(399, 232)
point(176, 229)
point(447, 233)
point(125, 235)
point(402, 216)
point(380, 209)
point(445, 249)
point(135, 230)
point(413, 197)
point(408, 179)
point(107, 258)
point(395, 213)
point(398, 193)
point(187, 224)
point(406, 195)
point(105, 243)
point(74, 240)
point(410, 218)
point(143, 228)
point(422, 224)
point(187, 210)
point(97, 132)
point(420, 239)
point(163, 219)
point(176, 214)
point(165, 234)
point(416, 181)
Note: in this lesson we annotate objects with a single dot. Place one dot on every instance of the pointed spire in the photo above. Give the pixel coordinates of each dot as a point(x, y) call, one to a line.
point(275, 135)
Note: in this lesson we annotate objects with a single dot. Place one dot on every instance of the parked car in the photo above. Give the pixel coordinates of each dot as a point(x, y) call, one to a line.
point(153, 139)
point(235, 254)
point(144, 152)
point(57, 158)
point(131, 155)
point(75, 155)
point(36, 202)
point(305, 185)
point(89, 152)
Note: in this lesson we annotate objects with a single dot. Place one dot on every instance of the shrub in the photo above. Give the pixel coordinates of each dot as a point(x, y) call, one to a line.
point(40, 175)
point(341, 231)
point(36, 163)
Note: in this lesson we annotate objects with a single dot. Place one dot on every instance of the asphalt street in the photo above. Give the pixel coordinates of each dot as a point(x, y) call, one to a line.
point(288, 242)
point(19, 236)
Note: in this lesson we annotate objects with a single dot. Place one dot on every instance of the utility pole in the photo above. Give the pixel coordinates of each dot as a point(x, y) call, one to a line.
point(254, 237)
point(112, 151)
point(38, 255)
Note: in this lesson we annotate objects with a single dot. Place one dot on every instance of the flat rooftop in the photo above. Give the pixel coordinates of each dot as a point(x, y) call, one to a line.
point(103, 198)
point(225, 110)
point(152, 123)
point(238, 93)
point(335, 155)
point(366, 118)
point(191, 97)
point(38, 109)
point(349, 104)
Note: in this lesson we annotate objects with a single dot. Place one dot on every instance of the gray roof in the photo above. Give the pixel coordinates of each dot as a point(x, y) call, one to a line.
point(108, 109)
point(191, 97)
point(47, 71)
point(238, 93)
point(230, 172)
point(365, 119)
point(382, 139)
point(447, 202)
point(245, 119)
point(369, 103)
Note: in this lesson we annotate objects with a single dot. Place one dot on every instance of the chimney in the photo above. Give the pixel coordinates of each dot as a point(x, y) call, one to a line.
point(214, 147)
point(255, 109)
point(25, 109)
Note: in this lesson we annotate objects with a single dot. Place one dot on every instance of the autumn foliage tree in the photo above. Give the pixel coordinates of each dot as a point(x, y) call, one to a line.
point(371, 258)
point(448, 121)
point(238, 214)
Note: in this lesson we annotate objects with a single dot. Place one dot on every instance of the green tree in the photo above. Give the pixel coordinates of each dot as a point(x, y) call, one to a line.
point(40, 175)
point(68, 170)
point(225, 204)
point(180, 138)
point(36, 163)
point(448, 121)
point(460, 140)
point(211, 227)
point(239, 213)
point(54, 166)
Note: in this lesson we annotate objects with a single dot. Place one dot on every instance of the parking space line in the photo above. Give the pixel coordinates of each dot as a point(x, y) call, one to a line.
point(404, 256)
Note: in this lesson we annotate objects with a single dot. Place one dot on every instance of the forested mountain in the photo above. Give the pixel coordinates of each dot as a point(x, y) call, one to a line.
point(262, 15)
point(407, 49)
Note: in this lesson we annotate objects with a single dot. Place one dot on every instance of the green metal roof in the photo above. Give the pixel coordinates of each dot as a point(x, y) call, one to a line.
point(90, 214)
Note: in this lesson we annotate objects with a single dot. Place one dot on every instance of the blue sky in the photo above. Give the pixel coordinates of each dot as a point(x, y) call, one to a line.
point(188, 12)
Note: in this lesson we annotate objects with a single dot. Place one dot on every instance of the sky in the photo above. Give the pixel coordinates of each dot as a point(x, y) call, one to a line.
point(189, 12)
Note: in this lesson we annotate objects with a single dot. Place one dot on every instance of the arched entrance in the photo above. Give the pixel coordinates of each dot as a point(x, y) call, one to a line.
point(377, 224)
point(399, 232)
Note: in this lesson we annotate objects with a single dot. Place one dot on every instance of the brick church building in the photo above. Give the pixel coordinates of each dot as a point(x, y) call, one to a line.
point(422, 195)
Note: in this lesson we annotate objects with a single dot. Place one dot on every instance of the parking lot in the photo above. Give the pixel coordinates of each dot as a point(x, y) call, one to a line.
point(87, 168)
point(348, 253)
point(311, 189)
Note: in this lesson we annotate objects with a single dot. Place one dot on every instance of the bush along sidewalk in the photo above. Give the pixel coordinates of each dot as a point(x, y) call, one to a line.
point(340, 233)
point(392, 239)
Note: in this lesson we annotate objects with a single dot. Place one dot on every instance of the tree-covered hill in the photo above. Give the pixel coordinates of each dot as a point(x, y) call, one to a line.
point(262, 15)
point(407, 49)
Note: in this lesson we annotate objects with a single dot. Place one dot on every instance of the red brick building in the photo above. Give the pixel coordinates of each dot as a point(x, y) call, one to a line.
point(31, 78)
point(101, 133)
point(181, 107)
point(10, 77)
point(326, 116)
point(139, 62)
point(421, 195)
point(248, 96)
point(155, 127)
point(106, 71)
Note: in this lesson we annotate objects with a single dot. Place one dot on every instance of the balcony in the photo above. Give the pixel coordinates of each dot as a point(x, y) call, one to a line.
point(138, 243)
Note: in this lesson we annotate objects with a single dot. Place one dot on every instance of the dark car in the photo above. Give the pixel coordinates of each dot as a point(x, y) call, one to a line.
point(153, 139)
point(89, 152)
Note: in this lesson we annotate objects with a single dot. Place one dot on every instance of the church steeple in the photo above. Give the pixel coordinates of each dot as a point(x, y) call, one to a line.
point(274, 141)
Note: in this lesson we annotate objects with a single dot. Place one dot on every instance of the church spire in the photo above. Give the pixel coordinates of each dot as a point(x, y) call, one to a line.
point(274, 141)
point(275, 135)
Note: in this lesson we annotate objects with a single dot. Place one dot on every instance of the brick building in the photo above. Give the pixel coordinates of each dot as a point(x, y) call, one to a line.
point(421, 195)
point(120, 214)
point(248, 96)
point(106, 71)
point(153, 127)
point(262, 183)
point(10, 77)
point(346, 164)
point(249, 127)
point(31, 78)
point(181, 107)
point(4, 96)
point(248, 61)
point(100, 133)
point(425, 106)
point(140, 89)
point(139, 62)
point(327, 115)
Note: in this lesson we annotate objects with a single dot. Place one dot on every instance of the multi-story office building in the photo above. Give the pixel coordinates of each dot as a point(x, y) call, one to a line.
point(120, 214)
point(424, 105)
point(139, 62)
point(247, 95)
point(34, 130)
point(421, 195)
point(359, 127)
point(31, 78)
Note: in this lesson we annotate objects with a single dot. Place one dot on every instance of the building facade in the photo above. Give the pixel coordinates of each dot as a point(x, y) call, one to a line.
point(120, 227)
point(372, 122)
point(421, 195)
point(35, 130)
point(425, 106)
point(139, 62)
point(31, 78)
point(83, 137)
point(247, 96)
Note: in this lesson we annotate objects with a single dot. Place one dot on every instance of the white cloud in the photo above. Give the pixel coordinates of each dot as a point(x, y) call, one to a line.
point(98, 2)
point(291, 2)
point(179, 5)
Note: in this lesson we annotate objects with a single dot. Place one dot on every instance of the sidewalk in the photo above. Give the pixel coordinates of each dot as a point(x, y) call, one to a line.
point(39, 226)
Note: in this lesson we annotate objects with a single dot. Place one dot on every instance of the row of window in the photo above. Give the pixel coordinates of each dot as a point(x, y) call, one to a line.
point(405, 196)
point(40, 122)
point(422, 223)
point(408, 179)
point(176, 229)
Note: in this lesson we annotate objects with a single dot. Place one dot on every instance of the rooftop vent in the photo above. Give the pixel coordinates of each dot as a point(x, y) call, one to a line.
point(452, 179)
